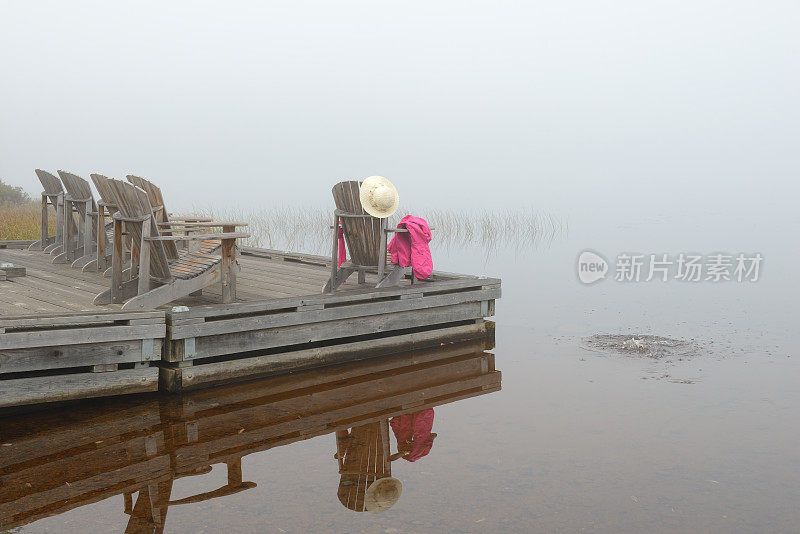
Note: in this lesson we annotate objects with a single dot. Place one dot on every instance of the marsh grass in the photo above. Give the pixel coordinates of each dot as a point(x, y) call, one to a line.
point(307, 229)
point(23, 221)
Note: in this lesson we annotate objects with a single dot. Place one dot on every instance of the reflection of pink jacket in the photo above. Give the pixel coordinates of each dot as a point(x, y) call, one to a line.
point(411, 249)
point(413, 433)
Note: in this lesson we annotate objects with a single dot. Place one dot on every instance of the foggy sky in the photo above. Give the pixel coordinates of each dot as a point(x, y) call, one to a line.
point(458, 103)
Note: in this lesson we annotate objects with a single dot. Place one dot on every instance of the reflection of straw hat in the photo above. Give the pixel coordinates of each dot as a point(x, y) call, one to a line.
point(382, 494)
point(379, 197)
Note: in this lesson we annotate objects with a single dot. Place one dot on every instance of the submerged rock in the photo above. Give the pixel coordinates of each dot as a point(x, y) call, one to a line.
point(646, 345)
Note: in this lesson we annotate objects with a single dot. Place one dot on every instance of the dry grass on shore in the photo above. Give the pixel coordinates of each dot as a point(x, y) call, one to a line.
point(23, 221)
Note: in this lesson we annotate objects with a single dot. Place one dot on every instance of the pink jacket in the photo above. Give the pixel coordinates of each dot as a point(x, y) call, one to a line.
point(411, 249)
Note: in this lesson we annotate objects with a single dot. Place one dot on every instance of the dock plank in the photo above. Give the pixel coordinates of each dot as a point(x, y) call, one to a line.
point(76, 336)
point(22, 391)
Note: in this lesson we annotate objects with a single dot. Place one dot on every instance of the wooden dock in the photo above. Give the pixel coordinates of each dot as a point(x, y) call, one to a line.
point(56, 345)
point(62, 459)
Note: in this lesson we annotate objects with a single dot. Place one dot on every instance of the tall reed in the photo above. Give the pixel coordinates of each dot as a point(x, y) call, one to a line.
point(23, 221)
point(308, 229)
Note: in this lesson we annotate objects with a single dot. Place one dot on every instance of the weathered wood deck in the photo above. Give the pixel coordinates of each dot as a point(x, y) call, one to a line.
point(58, 460)
point(56, 345)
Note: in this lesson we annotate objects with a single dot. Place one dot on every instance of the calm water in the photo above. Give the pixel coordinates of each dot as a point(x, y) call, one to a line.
point(580, 438)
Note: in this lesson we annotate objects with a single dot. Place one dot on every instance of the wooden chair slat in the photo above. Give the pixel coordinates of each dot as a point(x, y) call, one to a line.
point(51, 184)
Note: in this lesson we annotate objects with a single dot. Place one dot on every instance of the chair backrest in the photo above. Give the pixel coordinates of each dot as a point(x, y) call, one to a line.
point(103, 189)
point(77, 188)
point(159, 210)
point(153, 193)
point(133, 203)
point(362, 235)
point(51, 184)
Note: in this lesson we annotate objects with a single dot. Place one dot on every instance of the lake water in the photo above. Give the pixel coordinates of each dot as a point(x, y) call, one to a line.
point(587, 433)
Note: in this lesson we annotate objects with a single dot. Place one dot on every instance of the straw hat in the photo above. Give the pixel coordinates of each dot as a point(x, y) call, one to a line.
point(379, 197)
point(382, 494)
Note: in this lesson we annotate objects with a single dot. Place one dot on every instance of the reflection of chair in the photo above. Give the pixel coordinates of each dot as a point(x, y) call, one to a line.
point(365, 237)
point(53, 195)
point(152, 503)
point(363, 456)
point(162, 276)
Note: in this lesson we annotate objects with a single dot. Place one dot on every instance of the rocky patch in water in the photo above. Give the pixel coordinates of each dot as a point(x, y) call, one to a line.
point(643, 345)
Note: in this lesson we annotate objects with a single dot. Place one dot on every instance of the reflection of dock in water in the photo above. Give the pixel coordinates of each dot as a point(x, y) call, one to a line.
point(62, 459)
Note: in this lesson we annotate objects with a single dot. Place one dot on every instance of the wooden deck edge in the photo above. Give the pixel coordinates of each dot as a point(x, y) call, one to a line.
point(42, 321)
point(217, 311)
point(321, 314)
point(204, 375)
point(57, 388)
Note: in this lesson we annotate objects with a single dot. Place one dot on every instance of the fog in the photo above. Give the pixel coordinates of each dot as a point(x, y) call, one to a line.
point(562, 106)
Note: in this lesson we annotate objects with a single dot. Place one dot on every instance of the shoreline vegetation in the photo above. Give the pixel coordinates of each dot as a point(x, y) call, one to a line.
point(23, 221)
point(298, 229)
point(20, 215)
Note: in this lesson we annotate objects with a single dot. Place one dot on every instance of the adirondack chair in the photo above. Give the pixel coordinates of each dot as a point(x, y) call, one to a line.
point(365, 237)
point(104, 189)
point(79, 200)
point(188, 225)
point(53, 195)
point(163, 275)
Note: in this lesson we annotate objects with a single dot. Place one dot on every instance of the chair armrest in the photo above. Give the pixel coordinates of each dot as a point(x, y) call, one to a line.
point(401, 230)
point(220, 492)
point(198, 237)
point(174, 218)
point(203, 224)
point(118, 217)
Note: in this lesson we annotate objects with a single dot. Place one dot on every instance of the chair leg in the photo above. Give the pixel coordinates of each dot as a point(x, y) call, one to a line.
point(116, 263)
point(59, 218)
point(118, 293)
point(338, 279)
point(44, 221)
point(101, 238)
point(394, 277)
point(331, 284)
point(228, 270)
point(65, 255)
point(88, 246)
point(172, 291)
point(144, 259)
point(382, 251)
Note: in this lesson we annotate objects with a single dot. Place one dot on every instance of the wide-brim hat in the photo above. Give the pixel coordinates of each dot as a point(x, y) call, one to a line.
point(382, 495)
point(379, 197)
